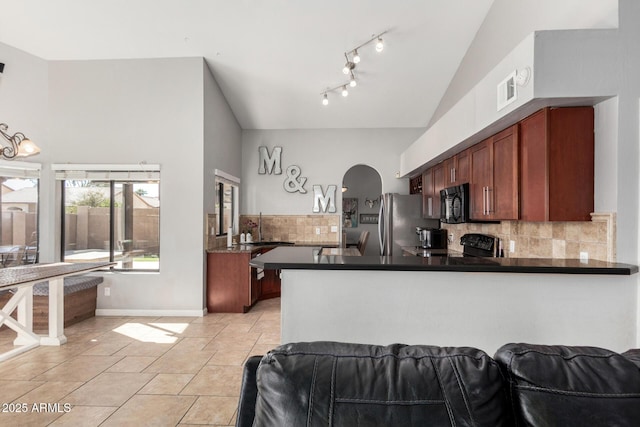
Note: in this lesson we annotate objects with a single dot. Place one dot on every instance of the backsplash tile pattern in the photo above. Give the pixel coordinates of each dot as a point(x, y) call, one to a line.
point(295, 228)
point(548, 239)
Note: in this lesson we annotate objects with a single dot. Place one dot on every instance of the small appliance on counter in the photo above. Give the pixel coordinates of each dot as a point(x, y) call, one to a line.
point(481, 245)
point(432, 238)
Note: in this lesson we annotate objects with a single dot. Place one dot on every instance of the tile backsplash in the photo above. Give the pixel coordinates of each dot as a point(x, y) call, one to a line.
point(294, 228)
point(548, 239)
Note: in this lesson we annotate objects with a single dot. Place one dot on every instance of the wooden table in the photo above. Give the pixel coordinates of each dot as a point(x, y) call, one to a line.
point(21, 280)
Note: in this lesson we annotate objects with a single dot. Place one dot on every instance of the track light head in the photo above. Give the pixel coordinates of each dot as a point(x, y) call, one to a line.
point(348, 67)
point(345, 92)
point(352, 81)
point(325, 100)
point(356, 56)
point(379, 45)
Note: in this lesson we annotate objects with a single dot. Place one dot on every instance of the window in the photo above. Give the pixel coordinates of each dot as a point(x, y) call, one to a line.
point(226, 203)
point(19, 183)
point(111, 216)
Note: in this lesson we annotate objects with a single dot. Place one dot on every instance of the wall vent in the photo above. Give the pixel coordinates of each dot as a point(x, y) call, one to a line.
point(507, 91)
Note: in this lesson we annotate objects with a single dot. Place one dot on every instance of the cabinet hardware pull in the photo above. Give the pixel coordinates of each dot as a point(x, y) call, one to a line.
point(430, 206)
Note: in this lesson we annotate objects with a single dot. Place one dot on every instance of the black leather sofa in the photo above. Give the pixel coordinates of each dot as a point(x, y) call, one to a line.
point(340, 384)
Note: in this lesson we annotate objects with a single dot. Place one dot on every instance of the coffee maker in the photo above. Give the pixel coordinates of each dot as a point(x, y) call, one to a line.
point(432, 238)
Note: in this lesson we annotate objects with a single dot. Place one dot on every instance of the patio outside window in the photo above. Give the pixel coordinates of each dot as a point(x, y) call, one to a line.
point(108, 217)
point(19, 214)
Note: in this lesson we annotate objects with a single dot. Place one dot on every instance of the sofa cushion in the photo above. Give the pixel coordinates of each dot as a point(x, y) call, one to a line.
point(339, 384)
point(570, 386)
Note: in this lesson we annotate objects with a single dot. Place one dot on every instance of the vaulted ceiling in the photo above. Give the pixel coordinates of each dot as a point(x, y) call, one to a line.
point(272, 58)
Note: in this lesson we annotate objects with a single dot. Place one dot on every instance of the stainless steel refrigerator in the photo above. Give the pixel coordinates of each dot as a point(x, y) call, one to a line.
point(400, 214)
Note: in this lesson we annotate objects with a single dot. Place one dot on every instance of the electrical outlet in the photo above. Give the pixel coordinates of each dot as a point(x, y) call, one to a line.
point(451, 238)
point(584, 256)
point(107, 292)
point(334, 228)
point(317, 230)
point(512, 246)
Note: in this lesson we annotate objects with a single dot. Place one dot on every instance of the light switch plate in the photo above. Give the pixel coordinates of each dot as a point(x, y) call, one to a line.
point(334, 228)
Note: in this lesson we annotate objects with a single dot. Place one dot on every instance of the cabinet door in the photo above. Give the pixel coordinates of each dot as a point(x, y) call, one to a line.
point(557, 165)
point(427, 193)
point(534, 173)
point(503, 193)
point(439, 180)
point(461, 169)
point(480, 180)
point(457, 169)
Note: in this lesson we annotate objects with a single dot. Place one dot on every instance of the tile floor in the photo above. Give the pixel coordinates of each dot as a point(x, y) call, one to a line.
point(126, 371)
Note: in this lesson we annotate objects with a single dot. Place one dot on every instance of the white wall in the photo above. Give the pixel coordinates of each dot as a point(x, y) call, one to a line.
point(323, 156)
point(507, 23)
point(130, 111)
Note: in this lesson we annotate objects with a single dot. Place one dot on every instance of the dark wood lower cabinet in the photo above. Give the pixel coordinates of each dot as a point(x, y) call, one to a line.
point(270, 284)
point(233, 286)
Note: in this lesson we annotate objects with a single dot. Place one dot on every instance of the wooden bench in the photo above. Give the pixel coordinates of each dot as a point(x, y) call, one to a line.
point(80, 293)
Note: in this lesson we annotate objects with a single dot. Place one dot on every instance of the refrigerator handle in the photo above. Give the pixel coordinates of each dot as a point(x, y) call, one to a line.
point(381, 221)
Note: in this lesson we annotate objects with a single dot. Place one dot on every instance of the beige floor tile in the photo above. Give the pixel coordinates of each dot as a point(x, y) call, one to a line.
point(80, 368)
point(179, 362)
point(109, 389)
point(97, 362)
point(132, 364)
point(191, 344)
point(84, 416)
point(149, 410)
point(11, 390)
point(269, 338)
point(215, 381)
point(23, 370)
point(106, 348)
point(202, 330)
point(167, 384)
point(217, 344)
point(228, 357)
point(211, 410)
point(29, 419)
point(51, 392)
point(144, 349)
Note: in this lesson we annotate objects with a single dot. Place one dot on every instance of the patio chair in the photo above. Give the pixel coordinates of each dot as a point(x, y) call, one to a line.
point(15, 256)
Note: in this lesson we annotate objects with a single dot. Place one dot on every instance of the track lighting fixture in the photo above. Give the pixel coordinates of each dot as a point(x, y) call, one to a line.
point(352, 58)
point(348, 67)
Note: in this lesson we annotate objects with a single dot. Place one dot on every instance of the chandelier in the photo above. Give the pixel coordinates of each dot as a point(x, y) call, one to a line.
point(18, 145)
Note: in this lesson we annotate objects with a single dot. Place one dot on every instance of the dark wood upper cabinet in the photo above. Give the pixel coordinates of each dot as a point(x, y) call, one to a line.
point(493, 182)
point(557, 165)
point(457, 169)
point(433, 180)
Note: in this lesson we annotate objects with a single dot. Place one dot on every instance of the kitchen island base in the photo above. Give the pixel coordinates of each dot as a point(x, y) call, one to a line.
point(483, 310)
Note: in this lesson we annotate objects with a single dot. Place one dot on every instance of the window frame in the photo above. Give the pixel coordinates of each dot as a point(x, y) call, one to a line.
point(113, 175)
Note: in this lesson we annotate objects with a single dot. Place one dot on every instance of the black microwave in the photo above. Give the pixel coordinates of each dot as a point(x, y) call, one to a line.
point(454, 204)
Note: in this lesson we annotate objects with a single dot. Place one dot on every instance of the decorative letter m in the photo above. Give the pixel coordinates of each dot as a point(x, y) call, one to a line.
point(320, 201)
point(269, 164)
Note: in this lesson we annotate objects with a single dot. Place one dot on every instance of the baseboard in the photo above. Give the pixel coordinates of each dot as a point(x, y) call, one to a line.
point(150, 313)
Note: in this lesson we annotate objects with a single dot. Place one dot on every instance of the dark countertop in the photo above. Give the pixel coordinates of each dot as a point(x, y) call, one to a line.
point(309, 258)
point(256, 246)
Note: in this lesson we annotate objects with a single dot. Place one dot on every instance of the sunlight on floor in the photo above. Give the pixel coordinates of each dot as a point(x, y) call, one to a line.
point(161, 333)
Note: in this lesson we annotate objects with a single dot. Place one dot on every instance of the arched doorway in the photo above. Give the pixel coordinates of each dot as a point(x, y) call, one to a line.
point(362, 187)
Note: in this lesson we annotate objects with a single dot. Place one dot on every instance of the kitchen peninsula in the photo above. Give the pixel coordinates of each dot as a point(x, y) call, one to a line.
point(453, 301)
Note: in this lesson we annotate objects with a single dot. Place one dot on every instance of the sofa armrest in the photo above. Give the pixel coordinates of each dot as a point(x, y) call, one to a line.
point(571, 386)
point(248, 393)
